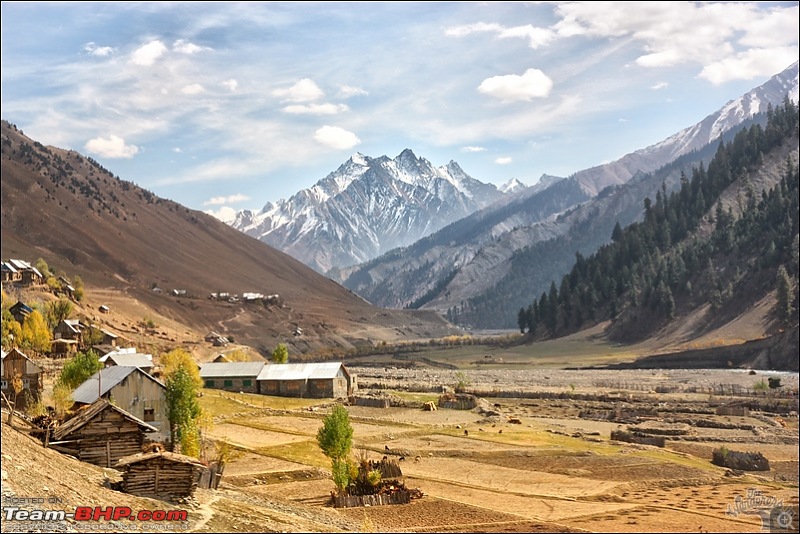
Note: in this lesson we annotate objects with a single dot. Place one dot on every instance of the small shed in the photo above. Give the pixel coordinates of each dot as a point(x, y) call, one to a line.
point(101, 434)
point(232, 376)
point(104, 309)
point(68, 329)
point(160, 474)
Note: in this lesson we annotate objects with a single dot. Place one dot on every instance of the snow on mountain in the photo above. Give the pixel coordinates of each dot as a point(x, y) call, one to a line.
point(512, 186)
point(694, 137)
point(366, 207)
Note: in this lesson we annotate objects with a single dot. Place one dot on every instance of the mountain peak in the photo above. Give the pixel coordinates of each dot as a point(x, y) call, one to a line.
point(512, 186)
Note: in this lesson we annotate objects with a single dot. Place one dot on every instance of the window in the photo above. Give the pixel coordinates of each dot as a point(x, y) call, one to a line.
point(229, 383)
point(149, 415)
point(246, 383)
point(209, 383)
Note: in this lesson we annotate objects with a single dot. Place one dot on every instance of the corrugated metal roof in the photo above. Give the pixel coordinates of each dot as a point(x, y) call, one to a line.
point(299, 371)
point(130, 360)
point(223, 369)
point(109, 377)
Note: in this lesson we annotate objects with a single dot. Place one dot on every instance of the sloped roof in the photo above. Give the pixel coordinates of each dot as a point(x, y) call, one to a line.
point(129, 360)
point(230, 369)
point(171, 456)
point(105, 379)
point(85, 415)
point(30, 367)
point(300, 371)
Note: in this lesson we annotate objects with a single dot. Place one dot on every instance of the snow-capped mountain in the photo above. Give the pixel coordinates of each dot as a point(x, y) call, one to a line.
point(366, 207)
point(482, 255)
point(731, 115)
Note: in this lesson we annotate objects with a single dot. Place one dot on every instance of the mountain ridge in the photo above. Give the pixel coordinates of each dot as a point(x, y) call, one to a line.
point(366, 207)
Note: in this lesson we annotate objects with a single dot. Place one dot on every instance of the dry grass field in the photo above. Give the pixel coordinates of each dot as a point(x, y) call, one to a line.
point(556, 470)
point(552, 472)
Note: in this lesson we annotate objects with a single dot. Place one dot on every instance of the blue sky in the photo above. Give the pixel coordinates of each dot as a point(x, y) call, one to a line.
point(225, 105)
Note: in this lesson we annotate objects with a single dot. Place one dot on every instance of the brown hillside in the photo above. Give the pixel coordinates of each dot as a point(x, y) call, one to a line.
point(119, 238)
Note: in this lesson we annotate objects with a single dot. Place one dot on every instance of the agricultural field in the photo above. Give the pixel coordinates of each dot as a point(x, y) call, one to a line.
point(542, 461)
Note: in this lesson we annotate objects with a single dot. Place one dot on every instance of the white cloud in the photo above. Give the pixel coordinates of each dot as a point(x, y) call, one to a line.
point(512, 87)
point(231, 199)
point(185, 47)
point(101, 51)
point(113, 147)
point(335, 137)
point(231, 84)
point(304, 90)
point(147, 54)
point(750, 64)
point(478, 27)
point(473, 149)
point(224, 214)
point(192, 89)
point(504, 160)
point(177, 150)
point(347, 91)
point(536, 36)
point(315, 109)
point(659, 85)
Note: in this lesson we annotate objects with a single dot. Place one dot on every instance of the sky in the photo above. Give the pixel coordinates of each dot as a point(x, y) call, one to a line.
point(225, 106)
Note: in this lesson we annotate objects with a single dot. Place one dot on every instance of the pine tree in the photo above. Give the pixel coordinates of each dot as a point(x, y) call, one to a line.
point(784, 307)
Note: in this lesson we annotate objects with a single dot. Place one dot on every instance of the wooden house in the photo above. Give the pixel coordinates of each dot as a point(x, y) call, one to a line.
point(20, 311)
point(309, 380)
point(21, 272)
point(16, 364)
point(68, 329)
point(63, 348)
point(231, 376)
point(101, 434)
point(216, 339)
point(131, 389)
point(160, 474)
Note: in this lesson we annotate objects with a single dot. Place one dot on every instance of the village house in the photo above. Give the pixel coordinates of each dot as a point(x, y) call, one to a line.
point(16, 364)
point(233, 376)
point(308, 380)
point(20, 311)
point(218, 340)
point(63, 348)
point(68, 329)
point(21, 272)
point(133, 390)
point(128, 357)
point(101, 433)
point(160, 474)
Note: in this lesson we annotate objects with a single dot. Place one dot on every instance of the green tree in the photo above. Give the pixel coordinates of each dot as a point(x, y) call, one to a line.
point(36, 335)
point(784, 307)
point(78, 369)
point(57, 311)
point(183, 410)
point(522, 320)
point(335, 438)
point(43, 268)
point(280, 354)
point(77, 283)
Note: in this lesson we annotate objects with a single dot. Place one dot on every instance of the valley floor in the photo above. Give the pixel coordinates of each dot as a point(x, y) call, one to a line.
point(512, 464)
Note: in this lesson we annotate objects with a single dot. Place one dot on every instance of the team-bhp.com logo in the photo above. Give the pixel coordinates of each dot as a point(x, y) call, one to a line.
point(171, 519)
point(775, 517)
